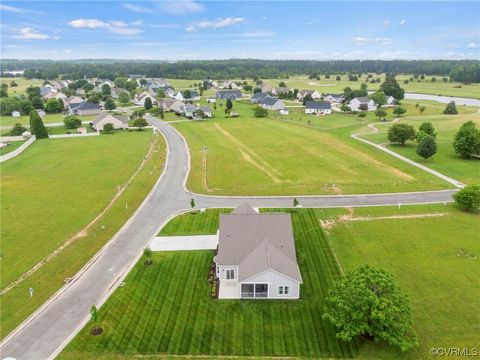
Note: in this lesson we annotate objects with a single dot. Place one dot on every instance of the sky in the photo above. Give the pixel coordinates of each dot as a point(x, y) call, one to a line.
point(198, 30)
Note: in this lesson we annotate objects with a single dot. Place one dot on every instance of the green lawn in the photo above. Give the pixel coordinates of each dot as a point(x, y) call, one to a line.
point(13, 145)
point(165, 308)
point(435, 261)
point(48, 118)
point(445, 161)
point(251, 156)
point(36, 220)
point(22, 83)
point(60, 130)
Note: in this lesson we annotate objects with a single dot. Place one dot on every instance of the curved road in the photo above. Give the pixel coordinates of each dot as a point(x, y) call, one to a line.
point(48, 330)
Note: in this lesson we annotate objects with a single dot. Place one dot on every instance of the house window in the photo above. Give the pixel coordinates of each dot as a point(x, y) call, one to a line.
point(283, 290)
point(230, 274)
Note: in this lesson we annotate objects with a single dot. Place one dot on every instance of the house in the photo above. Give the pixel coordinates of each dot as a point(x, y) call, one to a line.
point(228, 94)
point(139, 99)
point(115, 92)
point(362, 103)
point(257, 97)
point(284, 111)
point(256, 256)
point(183, 95)
point(84, 108)
point(279, 91)
point(313, 93)
point(318, 107)
point(44, 90)
point(272, 103)
point(334, 98)
point(118, 121)
point(228, 84)
point(188, 111)
point(206, 110)
point(15, 113)
point(211, 100)
point(55, 95)
point(40, 112)
point(72, 100)
point(391, 101)
point(265, 88)
point(172, 105)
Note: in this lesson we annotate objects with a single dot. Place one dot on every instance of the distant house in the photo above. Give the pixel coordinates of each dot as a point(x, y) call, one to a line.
point(206, 110)
point(15, 113)
point(170, 92)
point(211, 100)
point(118, 121)
point(84, 108)
point(334, 98)
point(228, 84)
point(55, 95)
point(266, 88)
point(117, 91)
point(140, 98)
point(172, 105)
point(256, 98)
point(313, 93)
point(40, 112)
point(228, 94)
point(279, 91)
point(272, 103)
point(391, 101)
point(362, 104)
point(183, 96)
point(256, 256)
point(188, 111)
point(72, 100)
point(318, 107)
point(44, 90)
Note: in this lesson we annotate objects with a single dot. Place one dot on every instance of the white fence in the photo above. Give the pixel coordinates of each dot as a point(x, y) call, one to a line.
point(61, 136)
point(18, 151)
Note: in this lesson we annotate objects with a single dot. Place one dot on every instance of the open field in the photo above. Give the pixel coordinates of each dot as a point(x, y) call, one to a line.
point(165, 308)
point(435, 260)
point(89, 173)
point(48, 118)
point(250, 156)
point(22, 83)
point(445, 161)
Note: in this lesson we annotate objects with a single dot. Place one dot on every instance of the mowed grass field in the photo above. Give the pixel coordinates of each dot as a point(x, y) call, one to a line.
point(51, 192)
point(47, 119)
point(445, 160)
point(166, 308)
point(435, 260)
point(252, 156)
point(13, 145)
point(22, 83)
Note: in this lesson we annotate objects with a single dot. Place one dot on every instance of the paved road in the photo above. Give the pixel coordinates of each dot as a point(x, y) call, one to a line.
point(50, 329)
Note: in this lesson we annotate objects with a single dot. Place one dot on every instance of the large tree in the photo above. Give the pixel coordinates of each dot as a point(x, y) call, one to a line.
point(229, 104)
point(379, 98)
point(400, 133)
point(427, 147)
point(106, 90)
point(467, 140)
point(123, 98)
point(148, 103)
point(37, 127)
point(367, 302)
point(391, 87)
point(110, 104)
point(53, 106)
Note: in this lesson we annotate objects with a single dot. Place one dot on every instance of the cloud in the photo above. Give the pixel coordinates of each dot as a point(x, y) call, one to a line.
point(386, 22)
point(116, 27)
point(472, 45)
point(31, 34)
point(181, 7)
point(10, 8)
point(403, 22)
point(215, 24)
point(360, 41)
point(137, 9)
point(264, 18)
point(256, 34)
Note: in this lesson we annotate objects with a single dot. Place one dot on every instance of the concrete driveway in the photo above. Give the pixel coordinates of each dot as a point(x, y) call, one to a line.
point(175, 243)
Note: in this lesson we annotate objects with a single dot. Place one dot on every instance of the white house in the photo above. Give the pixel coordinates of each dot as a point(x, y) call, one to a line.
point(313, 93)
point(390, 101)
point(140, 98)
point(334, 98)
point(118, 121)
point(272, 103)
point(279, 91)
point(318, 107)
point(362, 104)
point(256, 256)
point(15, 113)
point(182, 95)
point(211, 100)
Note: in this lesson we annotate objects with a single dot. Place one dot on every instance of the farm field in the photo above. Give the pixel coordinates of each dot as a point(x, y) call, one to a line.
point(67, 222)
point(166, 307)
point(433, 259)
point(22, 83)
point(251, 156)
point(47, 119)
point(445, 161)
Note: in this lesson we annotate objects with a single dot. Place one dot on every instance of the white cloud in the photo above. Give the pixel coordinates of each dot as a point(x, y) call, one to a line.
point(386, 22)
point(264, 18)
point(403, 22)
point(181, 7)
point(360, 41)
point(31, 34)
point(116, 27)
point(215, 24)
point(10, 8)
point(137, 22)
point(384, 41)
point(472, 45)
point(255, 34)
point(136, 8)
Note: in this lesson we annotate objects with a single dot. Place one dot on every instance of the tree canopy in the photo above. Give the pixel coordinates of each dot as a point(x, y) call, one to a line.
point(37, 127)
point(400, 133)
point(467, 140)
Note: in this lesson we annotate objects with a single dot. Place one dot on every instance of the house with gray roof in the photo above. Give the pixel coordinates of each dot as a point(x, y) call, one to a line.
point(256, 256)
point(362, 103)
point(272, 103)
point(318, 107)
point(334, 98)
point(257, 97)
point(191, 95)
point(118, 121)
point(228, 94)
point(84, 108)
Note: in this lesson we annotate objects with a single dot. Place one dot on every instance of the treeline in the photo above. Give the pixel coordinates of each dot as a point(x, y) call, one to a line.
point(228, 69)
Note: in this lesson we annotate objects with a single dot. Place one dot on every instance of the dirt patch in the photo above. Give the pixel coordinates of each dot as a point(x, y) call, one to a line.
point(204, 172)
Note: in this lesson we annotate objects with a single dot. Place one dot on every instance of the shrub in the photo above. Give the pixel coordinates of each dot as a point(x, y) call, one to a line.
point(108, 128)
point(260, 112)
point(427, 147)
point(17, 130)
point(450, 109)
point(72, 122)
point(140, 123)
point(469, 197)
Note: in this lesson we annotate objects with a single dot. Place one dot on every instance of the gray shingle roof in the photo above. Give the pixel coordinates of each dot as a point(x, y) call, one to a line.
point(257, 242)
point(363, 99)
point(257, 97)
point(318, 105)
point(85, 106)
point(269, 100)
point(101, 116)
point(228, 94)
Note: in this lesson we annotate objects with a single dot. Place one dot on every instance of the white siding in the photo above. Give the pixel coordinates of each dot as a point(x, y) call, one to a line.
point(274, 280)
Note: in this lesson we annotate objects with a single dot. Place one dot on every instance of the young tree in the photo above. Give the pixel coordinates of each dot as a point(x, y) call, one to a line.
point(467, 140)
point(306, 98)
point(72, 122)
point(192, 203)
point(427, 128)
point(148, 103)
point(469, 197)
point(260, 112)
point(4, 90)
point(422, 109)
point(123, 98)
point(106, 90)
point(110, 104)
point(282, 84)
point(380, 113)
point(17, 130)
point(338, 78)
point(147, 253)
point(367, 302)
point(94, 318)
point(108, 128)
point(399, 111)
point(13, 83)
point(427, 147)
point(199, 114)
point(37, 127)
point(345, 108)
point(451, 108)
point(379, 98)
point(400, 133)
point(229, 104)
point(140, 123)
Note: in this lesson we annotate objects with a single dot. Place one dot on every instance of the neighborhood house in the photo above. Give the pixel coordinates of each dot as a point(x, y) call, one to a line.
point(313, 93)
point(318, 107)
point(139, 99)
point(272, 103)
point(118, 121)
point(362, 104)
point(84, 108)
point(256, 256)
point(228, 94)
